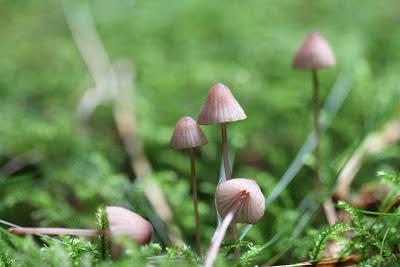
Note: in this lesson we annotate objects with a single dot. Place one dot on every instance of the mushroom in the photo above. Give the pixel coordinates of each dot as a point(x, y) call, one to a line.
point(120, 221)
point(315, 53)
point(221, 107)
point(238, 200)
point(188, 135)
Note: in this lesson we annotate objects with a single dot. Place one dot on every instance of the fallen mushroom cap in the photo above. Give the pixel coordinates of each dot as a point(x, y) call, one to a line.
point(253, 208)
point(314, 53)
point(220, 106)
point(122, 221)
point(187, 134)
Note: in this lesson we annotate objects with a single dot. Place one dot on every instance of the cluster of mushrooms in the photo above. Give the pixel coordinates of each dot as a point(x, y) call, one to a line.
point(238, 200)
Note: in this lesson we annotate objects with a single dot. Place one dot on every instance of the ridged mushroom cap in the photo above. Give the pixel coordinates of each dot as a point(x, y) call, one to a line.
point(122, 221)
point(252, 209)
point(220, 106)
point(314, 53)
point(187, 134)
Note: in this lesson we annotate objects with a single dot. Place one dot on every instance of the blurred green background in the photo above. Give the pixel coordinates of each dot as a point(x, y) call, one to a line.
point(179, 49)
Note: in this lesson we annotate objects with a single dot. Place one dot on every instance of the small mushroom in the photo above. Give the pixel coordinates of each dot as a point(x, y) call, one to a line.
point(315, 53)
point(228, 192)
point(120, 220)
point(221, 107)
point(238, 200)
point(188, 135)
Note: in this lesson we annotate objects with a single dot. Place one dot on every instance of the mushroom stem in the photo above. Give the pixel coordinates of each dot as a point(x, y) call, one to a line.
point(227, 166)
point(228, 174)
point(195, 200)
point(57, 231)
point(316, 107)
point(221, 230)
point(329, 210)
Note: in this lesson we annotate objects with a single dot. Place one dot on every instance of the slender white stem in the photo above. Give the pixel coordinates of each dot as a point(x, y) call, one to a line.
point(56, 231)
point(212, 254)
point(221, 230)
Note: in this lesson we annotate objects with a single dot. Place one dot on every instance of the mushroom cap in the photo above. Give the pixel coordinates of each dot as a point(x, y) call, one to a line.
point(122, 221)
point(252, 209)
point(187, 134)
point(314, 53)
point(220, 106)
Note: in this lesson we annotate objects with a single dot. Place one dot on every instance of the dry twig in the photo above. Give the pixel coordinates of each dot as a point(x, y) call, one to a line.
point(116, 83)
point(372, 144)
point(19, 162)
point(126, 123)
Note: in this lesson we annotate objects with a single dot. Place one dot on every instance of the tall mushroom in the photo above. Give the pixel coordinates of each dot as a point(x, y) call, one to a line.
point(188, 135)
point(315, 53)
point(238, 200)
point(221, 107)
point(120, 221)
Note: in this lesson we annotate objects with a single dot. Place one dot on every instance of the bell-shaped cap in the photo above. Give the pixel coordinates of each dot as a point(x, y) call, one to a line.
point(314, 53)
point(187, 134)
point(220, 106)
point(252, 209)
point(122, 221)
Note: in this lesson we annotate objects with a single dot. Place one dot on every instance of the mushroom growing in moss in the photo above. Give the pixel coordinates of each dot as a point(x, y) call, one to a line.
point(238, 200)
point(188, 135)
point(121, 221)
point(221, 107)
point(315, 53)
